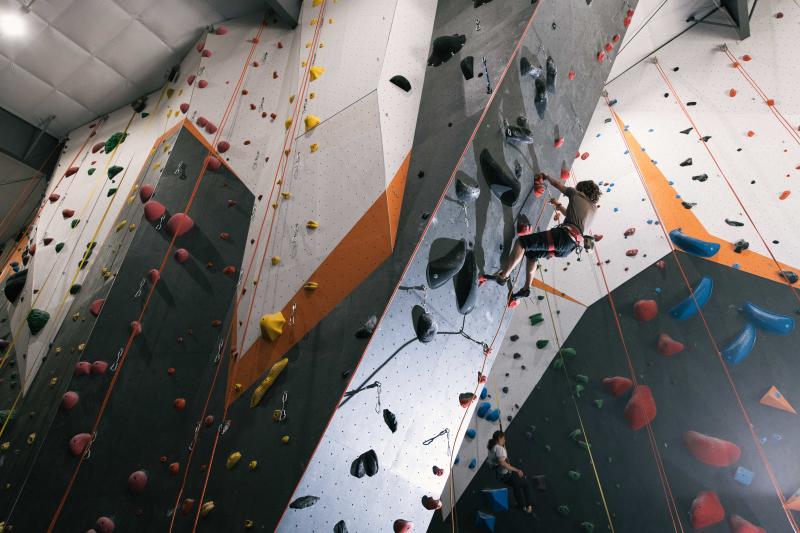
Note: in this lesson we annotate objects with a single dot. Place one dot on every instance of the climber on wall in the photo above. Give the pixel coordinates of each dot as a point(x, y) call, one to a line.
point(559, 241)
point(511, 476)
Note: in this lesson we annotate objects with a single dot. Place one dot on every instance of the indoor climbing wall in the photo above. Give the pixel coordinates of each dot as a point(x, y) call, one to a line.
point(690, 182)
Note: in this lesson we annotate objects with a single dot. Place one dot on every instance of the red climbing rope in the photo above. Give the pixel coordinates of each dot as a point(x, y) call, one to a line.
point(724, 177)
point(123, 355)
point(749, 423)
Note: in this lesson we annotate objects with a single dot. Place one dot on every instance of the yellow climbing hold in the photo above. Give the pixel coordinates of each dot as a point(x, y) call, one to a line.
point(276, 260)
point(156, 165)
point(53, 381)
point(237, 387)
point(280, 182)
point(31, 438)
point(312, 95)
point(286, 195)
point(311, 286)
point(206, 508)
point(252, 465)
point(272, 325)
point(303, 63)
point(291, 99)
point(275, 205)
point(314, 147)
point(311, 121)
point(121, 225)
point(286, 152)
point(322, 45)
point(308, 44)
point(330, 21)
point(5, 446)
point(316, 72)
point(132, 227)
point(285, 439)
point(248, 524)
point(170, 92)
point(316, 3)
point(313, 22)
point(264, 386)
point(233, 459)
point(312, 224)
point(288, 123)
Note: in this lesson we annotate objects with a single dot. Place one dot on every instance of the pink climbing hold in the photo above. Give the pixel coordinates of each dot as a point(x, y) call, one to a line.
point(229, 270)
point(571, 75)
point(79, 443)
point(202, 84)
point(208, 421)
point(585, 156)
point(559, 142)
point(641, 408)
point(213, 164)
point(616, 38)
point(564, 174)
point(669, 346)
point(740, 525)
point(184, 107)
point(609, 47)
point(97, 147)
point(223, 146)
point(601, 55)
point(616, 386)
point(211, 128)
point(711, 450)
point(190, 79)
point(626, 22)
point(706, 510)
point(82, 368)
point(32, 249)
point(137, 481)
point(201, 121)
point(629, 232)
point(199, 46)
point(430, 503)
point(99, 368)
point(645, 310)
point(105, 525)
point(179, 224)
point(153, 275)
point(136, 328)
point(222, 30)
point(633, 252)
point(153, 210)
point(206, 53)
point(661, 264)
point(402, 526)
point(67, 213)
point(146, 192)
point(69, 400)
point(54, 197)
point(181, 255)
point(71, 171)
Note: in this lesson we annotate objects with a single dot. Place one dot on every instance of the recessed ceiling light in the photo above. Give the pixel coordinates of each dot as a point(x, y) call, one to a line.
point(12, 25)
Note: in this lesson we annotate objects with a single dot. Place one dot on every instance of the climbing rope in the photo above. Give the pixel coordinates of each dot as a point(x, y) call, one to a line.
point(739, 401)
point(722, 173)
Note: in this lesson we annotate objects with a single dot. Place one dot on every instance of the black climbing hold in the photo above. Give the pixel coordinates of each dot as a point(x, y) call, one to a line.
point(502, 183)
point(687, 162)
point(550, 68)
point(366, 463)
point(340, 527)
point(479, 3)
point(390, 419)
point(676, 69)
point(687, 131)
point(139, 104)
point(505, 389)
point(466, 285)
point(526, 68)
point(666, 95)
point(517, 355)
point(734, 223)
point(442, 269)
point(401, 82)
point(740, 245)
point(365, 331)
point(706, 138)
point(518, 134)
point(14, 285)
point(444, 48)
point(691, 103)
point(304, 501)
point(688, 205)
point(467, 190)
point(700, 177)
point(789, 276)
point(541, 92)
point(514, 338)
point(468, 67)
point(426, 327)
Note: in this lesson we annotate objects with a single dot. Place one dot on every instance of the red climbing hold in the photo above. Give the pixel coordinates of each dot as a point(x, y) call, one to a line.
point(146, 192)
point(201, 121)
point(784, 195)
point(105, 525)
point(223, 146)
point(98, 146)
point(78, 443)
point(740, 525)
point(179, 224)
point(559, 142)
point(208, 420)
point(186, 506)
point(564, 174)
point(732, 93)
point(136, 328)
point(430, 503)
point(229, 270)
point(179, 404)
point(633, 252)
point(82, 368)
point(711, 450)
point(629, 232)
point(645, 310)
point(216, 323)
point(67, 213)
point(184, 107)
point(181, 255)
point(630, 13)
point(751, 133)
point(71, 171)
point(211, 128)
point(617, 386)
point(626, 22)
point(600, 56)
point(616, 38)
point(438, 471)
point(585, 156)
point(99, 368)
point(571, 75)
point(174, 468)
point(213, 164)
point(222, 30)
point(466, 398)
point(609, 47)
point(224, 235)
point(232, 203)
point(206, 53)
point(137, 481)
point(202, 84)
point(153, 275)
point(402, 526)
point(641, 408)
point(153, 210)
point(746, 57)
point(661, 264)
point(190, 79)
point(170, 371)
point(668, 346)
point(69, 400)
point(54, 197)
point(199, 46)
point(770, 102)
point(706, 510)
point(32, 249)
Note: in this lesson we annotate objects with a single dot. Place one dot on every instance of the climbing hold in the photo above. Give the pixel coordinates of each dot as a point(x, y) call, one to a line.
point(37, 319)
point(686, 162)
point(153, 275)
point(441, 270)
point(54, 197)
point(563, 510)
point(179, 224)
point(542, 343)
point(472, 464)
point(174, 468)
point(692, 245)
point(206, 508)
point(184, 107)
point(668, 346)
point(466, 398)
point(470, 433)
point(340, 527)
point(267, 382)
point(641, 408)
point(213, 163)
point(303, 501)
point(438, 471)
point(483, 409)
point(401, 82)
point(223, 146)
point(629, 232)
point(706, 510)
point(741, 346)
point(233, 460)
point(311, 286)
point(105, 525)
point(14, 285)
point(79, 443)
point(701, 294)
point(312, 224)
point(113, 171)
point(82, 368)
point(153, 210)
point(71, 171)
point(272, 326)
point(115, 140)
point(430, 503)
point(137, 481)
point(502, 184)
point(466, 285)
point(740, 525)
point(181, 255)
point(402, 526)
point(365, 464)
point(732, 93)
point(445, 47)
point(315, 72)
point(767, 320)
point(645, 310)
point(67, 213)
point(426, 327)
point(601, 55)
point(136, 328)
point(774, 398)
point(467, 67)
point(311, 121)
point(146, 192)
point(69, 400)
point(390, 419)
point(492, 416)
point(467, 190)
point(99, 368)
point(202, 84)
point(788, 275)
point(633, 252)
point(711, 450)
point(179, 404)
point(751, 133)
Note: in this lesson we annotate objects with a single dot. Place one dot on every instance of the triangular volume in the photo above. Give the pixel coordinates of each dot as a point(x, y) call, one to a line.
point(774, 398)
point(793, 503)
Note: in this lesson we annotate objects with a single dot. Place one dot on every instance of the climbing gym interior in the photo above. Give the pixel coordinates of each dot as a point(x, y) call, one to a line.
point(393, 265)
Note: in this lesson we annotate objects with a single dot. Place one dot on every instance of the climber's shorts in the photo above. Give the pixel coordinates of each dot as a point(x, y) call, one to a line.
point(556, 242)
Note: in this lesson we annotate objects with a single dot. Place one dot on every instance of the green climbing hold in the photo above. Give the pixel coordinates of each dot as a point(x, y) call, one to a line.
point(563, 510)
point(588, 527)
point(111, 192)
point(547, 447)
point(598, 403)
point(574, 475)
point(576, 434)
point(91, 171)
point(145, 114)
point(568, 352)
point(37, 320)
point(75, 223)
point(536, 319)
point(582, 378)
point(75, 289)
point(578, 389)
point(113, 171)
point(542, 343)
point(114, 141)
point(558, 363)
point(585, 445)
point(59, 246)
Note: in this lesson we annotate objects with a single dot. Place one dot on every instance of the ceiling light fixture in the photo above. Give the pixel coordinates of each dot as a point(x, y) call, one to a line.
point(12, 24)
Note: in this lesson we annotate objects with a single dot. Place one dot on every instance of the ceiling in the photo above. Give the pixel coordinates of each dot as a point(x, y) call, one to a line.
point(79, 59)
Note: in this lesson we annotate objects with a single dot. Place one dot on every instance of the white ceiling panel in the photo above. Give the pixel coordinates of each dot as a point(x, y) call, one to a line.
point(69, 111)
point(86, 84)
point(92, 24)
point(52, 58)
point(26, 90)
point(177, 21)
point(152, 58)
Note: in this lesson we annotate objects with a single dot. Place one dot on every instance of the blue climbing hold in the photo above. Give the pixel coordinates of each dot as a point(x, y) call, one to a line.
point(473, 464)
point(741, 346)
point(767, 320)
point(493, 416)
point(484, 393)
point(687, 308)
point(692, 245)
point(484, 522)
point(497, 499)
point(483, 408)
point(471, 433)
point(743, 476)
point(456, 460)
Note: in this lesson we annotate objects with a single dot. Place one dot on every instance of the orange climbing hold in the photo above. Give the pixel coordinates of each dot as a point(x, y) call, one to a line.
point(746, 57)
point(645, 310)
point(732, 93)
point(711, 450)
point(751, 133)
point(616, 386)
point(179, 224)
point(641, 408)
point(707, 510)
point(770, 102)
point(784, 195)
point(229, 270)
point(174, 468)
point(774, 398)
point(179, 404)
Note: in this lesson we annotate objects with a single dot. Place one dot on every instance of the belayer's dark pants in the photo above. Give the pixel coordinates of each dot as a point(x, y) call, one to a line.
point(521, 486)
